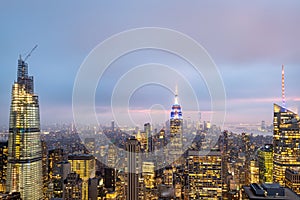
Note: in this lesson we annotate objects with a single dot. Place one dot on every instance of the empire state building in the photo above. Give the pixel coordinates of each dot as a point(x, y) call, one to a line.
point(24, 171)
point(176, 124)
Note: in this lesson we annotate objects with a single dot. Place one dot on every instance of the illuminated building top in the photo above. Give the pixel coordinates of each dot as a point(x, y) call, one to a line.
point(176, 112)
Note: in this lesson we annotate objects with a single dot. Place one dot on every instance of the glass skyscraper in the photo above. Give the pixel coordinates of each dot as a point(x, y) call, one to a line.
point(265, 163)
point(286, 142)
point(24, 171)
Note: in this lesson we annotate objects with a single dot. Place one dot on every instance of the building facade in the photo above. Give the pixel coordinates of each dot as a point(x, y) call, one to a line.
point(204, 175)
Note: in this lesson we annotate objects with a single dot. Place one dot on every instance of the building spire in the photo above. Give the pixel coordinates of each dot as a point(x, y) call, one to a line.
point(176, 95)
point(282, 86)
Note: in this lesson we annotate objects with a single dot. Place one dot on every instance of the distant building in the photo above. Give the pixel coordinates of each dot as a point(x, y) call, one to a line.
point(204, 175)
point(90, 145)
point(286, 142)
point(147, 130)
point(265, 163)
point(292, 179)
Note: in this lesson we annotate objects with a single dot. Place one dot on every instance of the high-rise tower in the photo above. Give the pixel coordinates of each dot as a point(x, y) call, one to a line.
point(24, 172)
point(176, 123)
point(286, 142)
point(265, 163)
point(286, 139)
point(133, 167)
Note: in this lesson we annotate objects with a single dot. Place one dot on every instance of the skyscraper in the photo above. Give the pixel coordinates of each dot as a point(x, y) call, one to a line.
point(286, 142)
point(133, 167)
point(265, 163)
point(286, 138)
point(24, 172)
point(176, 122)
point(147, 130)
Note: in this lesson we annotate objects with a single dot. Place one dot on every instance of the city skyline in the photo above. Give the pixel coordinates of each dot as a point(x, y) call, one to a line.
point(249, 52)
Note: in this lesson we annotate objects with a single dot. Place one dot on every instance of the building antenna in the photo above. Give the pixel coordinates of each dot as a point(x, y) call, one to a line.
point(282, 86)
point(176, 94)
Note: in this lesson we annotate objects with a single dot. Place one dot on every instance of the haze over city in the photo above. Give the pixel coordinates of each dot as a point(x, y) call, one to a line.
point(247, 41)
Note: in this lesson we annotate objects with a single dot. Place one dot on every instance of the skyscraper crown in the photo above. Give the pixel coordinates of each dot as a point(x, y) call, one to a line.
point(23, 78)
point(176, 112)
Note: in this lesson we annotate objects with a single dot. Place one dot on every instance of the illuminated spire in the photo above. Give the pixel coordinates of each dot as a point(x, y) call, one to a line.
point(176, 96)
point(282, 86)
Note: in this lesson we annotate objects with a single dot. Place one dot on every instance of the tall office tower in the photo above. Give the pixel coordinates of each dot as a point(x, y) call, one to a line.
point(286, 142)
point(3, 165)
point(147, 130)
point(176, 123)
point(286, 138)
point(225, 156)
point(73, 187)
point(84, 165)
point(24, 171)
point(133, 167)
point(265, 163)
point(245, 147)
point(54, 156)
point(292, 179)
point(204, 175)
point(112, 125)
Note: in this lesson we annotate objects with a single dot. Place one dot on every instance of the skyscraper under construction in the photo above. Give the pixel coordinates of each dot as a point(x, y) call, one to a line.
point(24, 172)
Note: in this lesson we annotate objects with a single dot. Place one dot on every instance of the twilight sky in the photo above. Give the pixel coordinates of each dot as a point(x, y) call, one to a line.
point(247, 41)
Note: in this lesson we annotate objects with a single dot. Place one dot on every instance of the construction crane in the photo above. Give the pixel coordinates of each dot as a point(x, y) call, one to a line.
point(30, 52)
